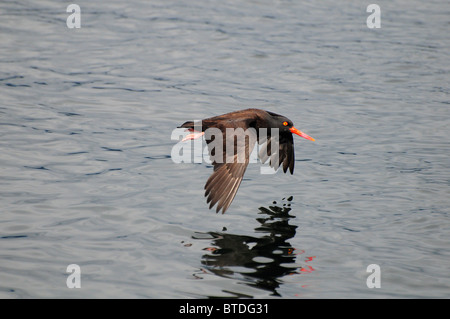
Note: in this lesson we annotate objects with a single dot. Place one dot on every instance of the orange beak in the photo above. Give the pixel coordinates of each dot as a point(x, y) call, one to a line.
point(300, 133)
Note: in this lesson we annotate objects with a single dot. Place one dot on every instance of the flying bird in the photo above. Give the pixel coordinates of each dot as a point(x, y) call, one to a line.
point(240, 130)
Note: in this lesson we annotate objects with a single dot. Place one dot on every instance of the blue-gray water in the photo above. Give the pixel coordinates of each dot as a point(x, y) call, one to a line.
point(86, 117)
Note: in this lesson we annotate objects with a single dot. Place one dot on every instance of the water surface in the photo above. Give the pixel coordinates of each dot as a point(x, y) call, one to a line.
point(86, 117)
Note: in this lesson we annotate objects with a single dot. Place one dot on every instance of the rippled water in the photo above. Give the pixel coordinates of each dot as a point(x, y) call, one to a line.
point(86, 117)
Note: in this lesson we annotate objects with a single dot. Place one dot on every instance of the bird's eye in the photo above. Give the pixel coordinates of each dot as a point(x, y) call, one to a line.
point(285, 123)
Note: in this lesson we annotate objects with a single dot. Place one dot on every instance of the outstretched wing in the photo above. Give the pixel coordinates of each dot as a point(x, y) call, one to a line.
point(230, 154)
point(283, 153)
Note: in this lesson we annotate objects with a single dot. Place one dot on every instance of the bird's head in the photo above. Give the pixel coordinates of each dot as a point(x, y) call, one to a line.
point(285, 125)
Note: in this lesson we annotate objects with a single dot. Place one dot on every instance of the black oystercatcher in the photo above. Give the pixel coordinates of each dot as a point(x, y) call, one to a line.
point(254, 125)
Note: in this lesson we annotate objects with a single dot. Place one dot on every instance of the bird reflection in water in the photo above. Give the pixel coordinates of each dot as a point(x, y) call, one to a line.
point(259, 262)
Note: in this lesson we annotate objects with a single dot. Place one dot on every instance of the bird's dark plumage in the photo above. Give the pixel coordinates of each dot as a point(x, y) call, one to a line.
point(230, 164)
